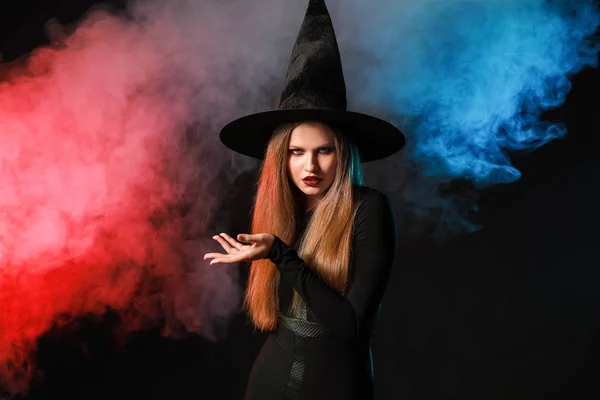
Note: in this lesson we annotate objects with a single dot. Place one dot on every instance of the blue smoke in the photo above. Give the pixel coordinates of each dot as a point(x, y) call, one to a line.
point(469, 80)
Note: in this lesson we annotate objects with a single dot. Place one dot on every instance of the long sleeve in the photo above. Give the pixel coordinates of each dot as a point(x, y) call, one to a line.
point(374, 240)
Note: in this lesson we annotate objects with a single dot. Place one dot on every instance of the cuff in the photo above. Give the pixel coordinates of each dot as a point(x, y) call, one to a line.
point(277, 250)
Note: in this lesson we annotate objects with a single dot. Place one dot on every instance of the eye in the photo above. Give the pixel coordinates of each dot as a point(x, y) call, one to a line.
point(295, 152)
point(326, 150)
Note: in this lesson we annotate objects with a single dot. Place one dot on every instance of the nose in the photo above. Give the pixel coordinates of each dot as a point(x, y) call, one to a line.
point(311, 164)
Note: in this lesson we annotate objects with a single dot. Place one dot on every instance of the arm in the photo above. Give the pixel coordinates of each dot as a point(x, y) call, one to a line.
point(373, 252)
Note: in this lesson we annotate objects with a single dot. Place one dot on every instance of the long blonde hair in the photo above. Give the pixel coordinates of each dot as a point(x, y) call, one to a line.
point(326, 243)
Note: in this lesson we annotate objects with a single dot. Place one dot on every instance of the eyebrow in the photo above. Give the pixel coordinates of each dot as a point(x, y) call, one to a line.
point(320, 147)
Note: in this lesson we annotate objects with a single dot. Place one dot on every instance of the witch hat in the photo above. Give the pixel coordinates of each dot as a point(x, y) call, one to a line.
point(314, 90)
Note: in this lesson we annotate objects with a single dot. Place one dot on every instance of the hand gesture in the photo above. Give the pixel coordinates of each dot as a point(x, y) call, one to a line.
point(258, 248)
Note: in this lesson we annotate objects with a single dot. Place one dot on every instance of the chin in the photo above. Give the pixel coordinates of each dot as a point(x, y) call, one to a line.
point(311, 191)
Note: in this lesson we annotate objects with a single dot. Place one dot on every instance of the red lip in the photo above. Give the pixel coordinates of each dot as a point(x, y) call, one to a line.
point(312, 181)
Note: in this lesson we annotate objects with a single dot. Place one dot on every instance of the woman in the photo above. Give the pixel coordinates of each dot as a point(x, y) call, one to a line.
point(322, 245)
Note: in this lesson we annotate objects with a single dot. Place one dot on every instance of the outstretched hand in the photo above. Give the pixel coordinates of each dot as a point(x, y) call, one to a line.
point(258, 248)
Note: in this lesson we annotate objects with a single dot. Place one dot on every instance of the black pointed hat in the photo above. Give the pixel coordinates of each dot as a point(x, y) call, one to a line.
point(314, 90)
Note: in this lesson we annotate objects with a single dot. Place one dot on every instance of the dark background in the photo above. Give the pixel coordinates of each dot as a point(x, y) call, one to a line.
point(511, 312)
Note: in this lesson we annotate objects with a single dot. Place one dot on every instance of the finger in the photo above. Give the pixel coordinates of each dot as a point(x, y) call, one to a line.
point(247, 238)
point(224, 243)
point(224, 260)
point(213, 255)
point(232, 258)
point(232, 241)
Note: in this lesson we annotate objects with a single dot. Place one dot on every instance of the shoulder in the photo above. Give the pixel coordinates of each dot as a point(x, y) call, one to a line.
point(367, 196)
point(371, 202)
point(374, 217)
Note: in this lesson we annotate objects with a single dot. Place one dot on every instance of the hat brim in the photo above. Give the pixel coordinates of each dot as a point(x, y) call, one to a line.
point(375, 138)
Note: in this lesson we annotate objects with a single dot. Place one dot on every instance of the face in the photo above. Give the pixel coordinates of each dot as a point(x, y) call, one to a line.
point(312, 153)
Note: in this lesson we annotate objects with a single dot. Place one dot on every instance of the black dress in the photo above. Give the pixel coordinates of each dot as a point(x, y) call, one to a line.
point(333, 360)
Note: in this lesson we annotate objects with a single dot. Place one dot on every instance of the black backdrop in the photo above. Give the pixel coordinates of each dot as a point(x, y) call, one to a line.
point(508, 313)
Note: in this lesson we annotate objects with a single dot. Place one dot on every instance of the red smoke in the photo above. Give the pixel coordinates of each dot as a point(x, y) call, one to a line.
point(93, 163)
